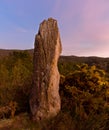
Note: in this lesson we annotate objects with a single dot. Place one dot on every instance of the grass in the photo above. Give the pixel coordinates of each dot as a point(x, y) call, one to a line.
point(63, 121)
point(23, 122)
point(20, 122)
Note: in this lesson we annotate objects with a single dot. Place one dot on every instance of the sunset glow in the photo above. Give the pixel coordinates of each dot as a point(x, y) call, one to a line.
point(83, 24)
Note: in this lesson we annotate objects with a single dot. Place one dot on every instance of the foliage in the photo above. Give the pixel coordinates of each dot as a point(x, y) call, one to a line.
point(84, 91)
point(84, 95)
point(16, 79)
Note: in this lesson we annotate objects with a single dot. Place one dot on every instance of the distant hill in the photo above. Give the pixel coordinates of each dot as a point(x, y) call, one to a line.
point(100, 62)
point(89, 60)
point(5, 52)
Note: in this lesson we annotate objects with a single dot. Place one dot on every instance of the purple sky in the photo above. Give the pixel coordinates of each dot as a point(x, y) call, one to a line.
point(83, 24)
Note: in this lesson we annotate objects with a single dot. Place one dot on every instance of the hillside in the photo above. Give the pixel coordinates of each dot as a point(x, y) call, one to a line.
point(65, 61)
point(76, 59)
point(84, 91)
point(100, 62)
point(5, 52)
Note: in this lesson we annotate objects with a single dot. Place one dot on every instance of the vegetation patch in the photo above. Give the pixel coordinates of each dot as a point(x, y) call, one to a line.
point(84, 91)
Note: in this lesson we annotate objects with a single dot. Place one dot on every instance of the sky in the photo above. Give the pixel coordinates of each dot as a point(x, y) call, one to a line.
point(83, 24)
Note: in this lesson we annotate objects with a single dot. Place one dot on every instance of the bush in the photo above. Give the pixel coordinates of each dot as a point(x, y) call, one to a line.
point(16, 80)
point(84, 96)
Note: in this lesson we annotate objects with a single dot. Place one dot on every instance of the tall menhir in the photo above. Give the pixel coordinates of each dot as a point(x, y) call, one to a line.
point(44, 98)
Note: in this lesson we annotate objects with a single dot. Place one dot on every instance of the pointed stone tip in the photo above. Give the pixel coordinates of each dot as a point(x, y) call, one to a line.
point(48, 26)
point(49, 20)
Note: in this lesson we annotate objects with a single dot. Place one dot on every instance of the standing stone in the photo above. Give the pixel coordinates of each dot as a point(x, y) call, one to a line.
point(44, 99)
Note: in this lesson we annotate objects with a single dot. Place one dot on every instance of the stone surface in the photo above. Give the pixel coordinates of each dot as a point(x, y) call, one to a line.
point(44, 99)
